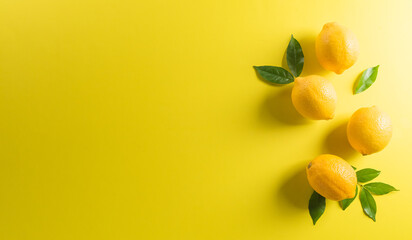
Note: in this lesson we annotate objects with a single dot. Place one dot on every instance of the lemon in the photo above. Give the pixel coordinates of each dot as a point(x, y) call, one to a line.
point(337, 48)
point(332, 177)
point(314, 97)
point(369, 130)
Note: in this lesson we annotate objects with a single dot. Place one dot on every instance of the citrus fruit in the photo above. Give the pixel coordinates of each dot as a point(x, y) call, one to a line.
point(369, 130)
point(314, 97)
point(337, 48)
point(332, 177)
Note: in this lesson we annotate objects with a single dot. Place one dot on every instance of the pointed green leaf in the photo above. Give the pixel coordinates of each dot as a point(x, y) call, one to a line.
point(317, 206)
point(367, 174)
point(346, 202)
point(294, 57)
point(367, 79)
point(274, 75)
point(354, 168)
point(379, 188)
point(368, 203)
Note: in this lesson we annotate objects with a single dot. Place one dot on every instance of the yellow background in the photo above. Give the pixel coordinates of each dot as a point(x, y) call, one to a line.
point(145, 119)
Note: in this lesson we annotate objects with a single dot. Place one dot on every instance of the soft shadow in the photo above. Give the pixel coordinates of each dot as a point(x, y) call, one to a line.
point(311, 65)
point(337, 143)
point(278, 106)
point(296, 190)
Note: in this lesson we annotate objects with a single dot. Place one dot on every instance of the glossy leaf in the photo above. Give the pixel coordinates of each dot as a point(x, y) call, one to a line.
point(354, 168)
point(294, 57)
point(368, 203)
point(379, 188)
point(346, 202)
point(367, 174)
point(317, 206)
point(366, 80)
point(274, 75)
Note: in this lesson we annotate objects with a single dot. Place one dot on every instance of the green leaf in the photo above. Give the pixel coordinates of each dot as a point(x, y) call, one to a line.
point(379, 188)
point(354, 168)
point(274, 75)
point(346, 202)
point(317, 206)
point(367, 79)
point(367, 174)
point(294, 57)
point(368, 203)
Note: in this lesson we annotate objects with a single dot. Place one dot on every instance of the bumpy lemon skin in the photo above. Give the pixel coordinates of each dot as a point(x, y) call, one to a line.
point(332, 177)
point(314, 97)
point(337, 48)
point(369, 130)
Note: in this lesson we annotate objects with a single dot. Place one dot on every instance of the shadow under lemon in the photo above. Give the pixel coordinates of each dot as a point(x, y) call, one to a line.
point(295, 190)
point(336, 143)
point(277, 105)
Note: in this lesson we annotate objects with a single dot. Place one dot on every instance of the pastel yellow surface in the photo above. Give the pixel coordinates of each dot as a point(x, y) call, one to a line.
point(145, 119)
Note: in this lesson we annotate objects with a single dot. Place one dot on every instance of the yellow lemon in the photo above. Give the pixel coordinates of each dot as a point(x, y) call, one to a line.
point(332, 177)
point(314, 97)
point(337, 48)
point(369, 130)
